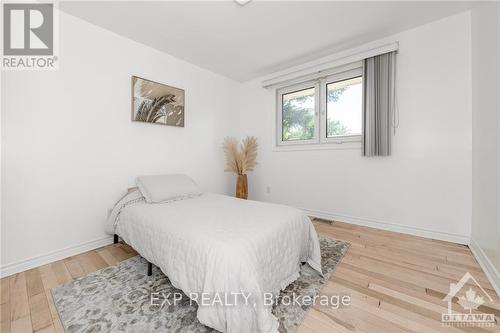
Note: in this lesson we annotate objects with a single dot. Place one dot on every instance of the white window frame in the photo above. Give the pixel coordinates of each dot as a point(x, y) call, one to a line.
point(324, 101)
point(319, 141)
point(279, 113)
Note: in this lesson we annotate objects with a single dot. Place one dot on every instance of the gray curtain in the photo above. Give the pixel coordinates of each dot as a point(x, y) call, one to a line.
point(379, 104)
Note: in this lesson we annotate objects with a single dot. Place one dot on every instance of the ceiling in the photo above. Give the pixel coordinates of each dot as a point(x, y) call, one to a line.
point(245, 42)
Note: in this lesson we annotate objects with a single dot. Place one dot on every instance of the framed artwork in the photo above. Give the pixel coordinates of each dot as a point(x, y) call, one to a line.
point(157, 103)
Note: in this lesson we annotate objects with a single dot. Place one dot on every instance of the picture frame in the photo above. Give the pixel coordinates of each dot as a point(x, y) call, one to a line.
point(157, 103)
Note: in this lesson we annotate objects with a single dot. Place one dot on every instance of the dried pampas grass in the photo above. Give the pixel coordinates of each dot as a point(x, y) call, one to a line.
point(230, 147)
point(240, 159)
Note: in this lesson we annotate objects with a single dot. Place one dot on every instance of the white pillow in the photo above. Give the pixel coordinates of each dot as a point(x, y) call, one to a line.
point(163, 188)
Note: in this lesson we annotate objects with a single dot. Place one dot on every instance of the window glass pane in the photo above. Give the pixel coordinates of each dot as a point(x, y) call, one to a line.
point(298, 115)
point(343, 107)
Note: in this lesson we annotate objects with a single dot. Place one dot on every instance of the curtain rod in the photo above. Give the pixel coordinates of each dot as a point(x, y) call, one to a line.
point(351, 56)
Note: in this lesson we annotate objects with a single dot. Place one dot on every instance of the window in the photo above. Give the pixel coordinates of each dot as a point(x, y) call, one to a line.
point(343, 107)
point(298, 115)
point(321, 112)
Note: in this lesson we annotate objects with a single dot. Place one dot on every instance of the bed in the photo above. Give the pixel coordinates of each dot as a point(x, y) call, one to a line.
point(210, 243)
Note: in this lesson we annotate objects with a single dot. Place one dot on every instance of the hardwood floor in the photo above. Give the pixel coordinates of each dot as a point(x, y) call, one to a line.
point(27, 304)
point(396, 283)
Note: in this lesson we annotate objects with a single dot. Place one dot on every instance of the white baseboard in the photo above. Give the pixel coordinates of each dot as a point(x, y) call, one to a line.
point(415, 231)
point(23, 265)
point(489, 269)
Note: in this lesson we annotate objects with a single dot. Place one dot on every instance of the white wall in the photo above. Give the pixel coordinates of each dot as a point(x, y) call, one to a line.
point(485, 240)
point(69, 148)
point(425, 186)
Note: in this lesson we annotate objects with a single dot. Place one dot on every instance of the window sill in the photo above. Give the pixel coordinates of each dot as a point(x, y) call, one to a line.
point(319, 146)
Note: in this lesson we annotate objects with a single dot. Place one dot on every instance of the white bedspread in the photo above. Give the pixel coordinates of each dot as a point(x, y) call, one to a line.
point(219, 244)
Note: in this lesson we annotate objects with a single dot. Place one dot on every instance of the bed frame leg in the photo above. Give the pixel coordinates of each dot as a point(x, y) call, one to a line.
point(150, 268)
point(115, 238)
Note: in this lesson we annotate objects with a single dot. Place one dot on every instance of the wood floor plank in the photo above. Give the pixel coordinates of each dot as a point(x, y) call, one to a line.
point(34, 282)
point(126, 248)
point(5, 327)
point(61, 272)
point(446, 271)
point(413, 318)
point(402, 304)
point(107, 256)
point(74, 268)
point(40, 312)
point(86, 263)
point(19, 306)
point(118, 253)
point(363, 320)
point(345, 324)
point(384, 242)
point(58, 327)
point(413, 258)
point(50, 302)
point(362, 230)
point(317, 322)
point(5, 317)
point(97, 260)
point(48, 329)
point(428, 280)
point(21, 325)
point(408, 298)
point(397, 242)
point(487, 307)
point(394, 285)
point(4, 290)
point(48, 277)
point(390, 236)
point(53, 312)
point(130, 252)
point(399, 318)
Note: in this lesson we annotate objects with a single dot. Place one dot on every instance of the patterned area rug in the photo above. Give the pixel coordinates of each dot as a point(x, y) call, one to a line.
point(118, 298)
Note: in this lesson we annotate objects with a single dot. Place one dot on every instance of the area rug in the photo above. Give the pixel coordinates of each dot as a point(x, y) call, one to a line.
point(118, 298)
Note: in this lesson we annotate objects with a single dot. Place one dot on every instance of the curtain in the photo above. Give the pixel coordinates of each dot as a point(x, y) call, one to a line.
point(379, 104)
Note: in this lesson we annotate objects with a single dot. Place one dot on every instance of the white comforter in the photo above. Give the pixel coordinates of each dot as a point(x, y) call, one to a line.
point(219, 244)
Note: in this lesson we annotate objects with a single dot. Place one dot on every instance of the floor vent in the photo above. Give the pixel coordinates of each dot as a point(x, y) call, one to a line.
point(317, 219)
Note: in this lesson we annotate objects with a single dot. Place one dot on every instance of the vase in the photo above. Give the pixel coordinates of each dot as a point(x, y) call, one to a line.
point(242, 187)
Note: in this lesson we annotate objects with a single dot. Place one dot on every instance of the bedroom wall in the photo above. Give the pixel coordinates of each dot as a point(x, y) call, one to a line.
point(69, 148)
point(485, 239)
point(424, 188)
